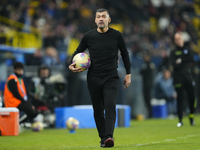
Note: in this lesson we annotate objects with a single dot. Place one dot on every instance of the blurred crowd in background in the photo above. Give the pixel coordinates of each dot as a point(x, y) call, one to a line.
point(148, 27)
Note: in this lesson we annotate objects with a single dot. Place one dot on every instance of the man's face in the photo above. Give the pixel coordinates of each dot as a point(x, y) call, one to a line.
point(167, 74)
point(44, 73)
point(19, 71)
point(178, 39)
point(102, 19)
point(147, 58)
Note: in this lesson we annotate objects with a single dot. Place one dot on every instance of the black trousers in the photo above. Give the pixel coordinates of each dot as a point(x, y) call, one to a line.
point(27, 108)
point(147, 99)
point(103, 92)
point(185, 83)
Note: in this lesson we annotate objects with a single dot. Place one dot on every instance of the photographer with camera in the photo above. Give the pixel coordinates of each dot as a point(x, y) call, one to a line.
point(36, 88)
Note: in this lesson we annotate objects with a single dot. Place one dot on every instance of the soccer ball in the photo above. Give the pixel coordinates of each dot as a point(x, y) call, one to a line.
point(37, 126)
point(72, 124)
point(82, 60)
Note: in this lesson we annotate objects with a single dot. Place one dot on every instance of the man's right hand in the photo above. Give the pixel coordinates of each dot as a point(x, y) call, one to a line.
point(74, 69)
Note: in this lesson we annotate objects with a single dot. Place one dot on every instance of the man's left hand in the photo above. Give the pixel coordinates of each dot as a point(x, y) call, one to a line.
point(127, 81)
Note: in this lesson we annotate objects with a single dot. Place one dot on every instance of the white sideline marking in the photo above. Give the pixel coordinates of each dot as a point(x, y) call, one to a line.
point(156, 142)
point(182, 137)
point(190, 135)
point(142, 144)
point(168, 140)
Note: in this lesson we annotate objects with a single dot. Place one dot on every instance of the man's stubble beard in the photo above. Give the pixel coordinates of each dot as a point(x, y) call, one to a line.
point(101, 28)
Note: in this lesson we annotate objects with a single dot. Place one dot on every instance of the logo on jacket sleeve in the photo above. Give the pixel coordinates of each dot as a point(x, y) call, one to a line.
point(185, 51)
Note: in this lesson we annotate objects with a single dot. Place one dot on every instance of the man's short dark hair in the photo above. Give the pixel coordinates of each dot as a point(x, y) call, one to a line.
point(43, 67)
point(102, 10)
point(18, 65)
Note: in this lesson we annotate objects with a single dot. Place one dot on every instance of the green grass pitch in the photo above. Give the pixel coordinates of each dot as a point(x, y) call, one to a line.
point(150, 134)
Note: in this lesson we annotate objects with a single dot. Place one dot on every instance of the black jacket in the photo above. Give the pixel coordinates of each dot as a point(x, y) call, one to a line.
point(186, 55)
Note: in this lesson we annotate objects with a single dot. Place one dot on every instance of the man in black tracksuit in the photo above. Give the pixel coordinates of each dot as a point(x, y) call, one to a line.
point(102, 78)
point(147, 73)
point(182, 61)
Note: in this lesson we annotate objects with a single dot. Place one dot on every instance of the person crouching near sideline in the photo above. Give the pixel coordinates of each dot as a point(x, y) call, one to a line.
point(15, 93)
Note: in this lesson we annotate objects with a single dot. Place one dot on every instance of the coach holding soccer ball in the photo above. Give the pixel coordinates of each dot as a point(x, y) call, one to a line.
point(103, 44)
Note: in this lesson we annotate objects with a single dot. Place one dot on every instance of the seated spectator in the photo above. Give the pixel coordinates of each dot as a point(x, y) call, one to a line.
point(36, 88)
point(35, 59)
point(51, 58)
point(163, 89)
point(15, 93)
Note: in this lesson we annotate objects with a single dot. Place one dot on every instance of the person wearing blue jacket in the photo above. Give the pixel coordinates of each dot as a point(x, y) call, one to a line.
point(164, 89)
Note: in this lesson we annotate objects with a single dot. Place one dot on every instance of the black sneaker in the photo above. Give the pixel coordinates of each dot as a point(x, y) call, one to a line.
point(109, 142)
point(180, 124)
point(102, 142)
point(192, 123)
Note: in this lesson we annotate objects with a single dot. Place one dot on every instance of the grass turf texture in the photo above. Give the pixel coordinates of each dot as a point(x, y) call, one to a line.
point(152, 134)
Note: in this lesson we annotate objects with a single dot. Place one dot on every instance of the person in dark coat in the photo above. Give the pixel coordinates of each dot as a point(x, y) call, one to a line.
point(147, 73)
point(181, 59)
